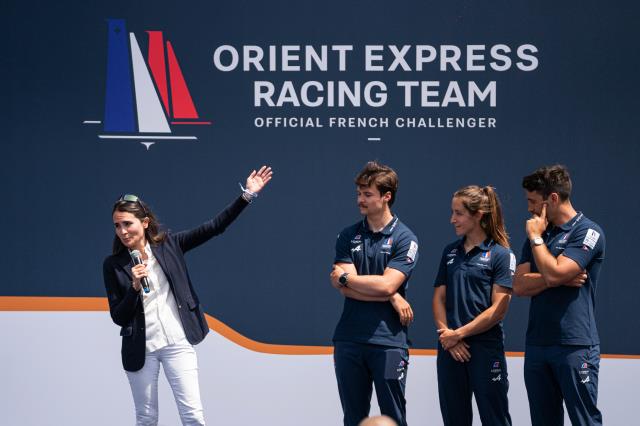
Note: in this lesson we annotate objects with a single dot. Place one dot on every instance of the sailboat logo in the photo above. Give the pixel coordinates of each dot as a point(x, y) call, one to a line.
point(145, 100)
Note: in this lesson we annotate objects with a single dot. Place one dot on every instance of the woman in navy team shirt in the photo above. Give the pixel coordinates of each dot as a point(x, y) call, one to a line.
point(471, 297)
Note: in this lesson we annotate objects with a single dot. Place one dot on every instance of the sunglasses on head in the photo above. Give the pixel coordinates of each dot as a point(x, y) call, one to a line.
point(131, 198)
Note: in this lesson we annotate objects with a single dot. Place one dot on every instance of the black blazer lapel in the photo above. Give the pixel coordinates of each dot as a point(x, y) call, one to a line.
point(126, 263)
point(159, 253)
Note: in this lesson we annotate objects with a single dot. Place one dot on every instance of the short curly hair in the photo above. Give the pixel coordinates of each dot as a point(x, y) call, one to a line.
point(549, 179)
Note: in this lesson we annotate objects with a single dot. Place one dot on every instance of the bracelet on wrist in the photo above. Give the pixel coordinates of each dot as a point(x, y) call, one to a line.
point(248, 195)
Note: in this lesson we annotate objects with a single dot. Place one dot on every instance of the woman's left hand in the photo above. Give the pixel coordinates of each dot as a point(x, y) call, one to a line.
point(460, 352)
point(449, 338)
point(257, 180)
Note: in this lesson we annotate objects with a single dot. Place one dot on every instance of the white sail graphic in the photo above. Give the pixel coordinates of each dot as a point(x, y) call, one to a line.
point(151, 118)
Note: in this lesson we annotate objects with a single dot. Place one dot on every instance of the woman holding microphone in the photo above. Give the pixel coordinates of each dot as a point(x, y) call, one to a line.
point(161, 323)
point(471, 297)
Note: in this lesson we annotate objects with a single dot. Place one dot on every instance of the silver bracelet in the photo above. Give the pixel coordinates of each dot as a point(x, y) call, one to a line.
point(248, 196)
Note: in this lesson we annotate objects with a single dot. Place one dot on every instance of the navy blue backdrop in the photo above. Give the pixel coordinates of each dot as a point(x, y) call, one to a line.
point(267, 276)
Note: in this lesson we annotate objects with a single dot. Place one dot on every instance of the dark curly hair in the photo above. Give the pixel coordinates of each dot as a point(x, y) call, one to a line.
point(549, 179)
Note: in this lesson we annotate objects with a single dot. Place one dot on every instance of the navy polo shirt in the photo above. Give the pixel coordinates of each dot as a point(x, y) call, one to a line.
point(566, 315)
point(469, 278)
point(371, 253)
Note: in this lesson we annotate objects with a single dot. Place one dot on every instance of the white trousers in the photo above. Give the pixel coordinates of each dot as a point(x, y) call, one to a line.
point(180, 365)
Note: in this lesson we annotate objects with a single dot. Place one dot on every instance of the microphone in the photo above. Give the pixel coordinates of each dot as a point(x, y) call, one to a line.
point(137, 260)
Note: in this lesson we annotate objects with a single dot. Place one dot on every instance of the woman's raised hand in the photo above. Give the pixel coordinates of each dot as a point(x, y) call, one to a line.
point(257, 180)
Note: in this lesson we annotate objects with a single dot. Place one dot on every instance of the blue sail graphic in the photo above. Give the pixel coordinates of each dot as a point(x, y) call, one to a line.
point(119, 113)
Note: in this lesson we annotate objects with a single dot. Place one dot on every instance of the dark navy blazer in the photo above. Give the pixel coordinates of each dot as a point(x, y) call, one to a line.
point(125, 303)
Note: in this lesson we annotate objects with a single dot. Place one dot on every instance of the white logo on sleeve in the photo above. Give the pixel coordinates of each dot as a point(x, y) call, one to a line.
point(591, 238)
point(512, 263)
point(413, 250)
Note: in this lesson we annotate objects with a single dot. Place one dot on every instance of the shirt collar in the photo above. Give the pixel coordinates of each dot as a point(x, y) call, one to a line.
point(487, 244)
point(387, 230)
point(147, 250)
point(484, 246)
point(571, 223)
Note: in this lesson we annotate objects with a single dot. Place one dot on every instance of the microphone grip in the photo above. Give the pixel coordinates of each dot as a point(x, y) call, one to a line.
point(137, 260)
point(145, 284)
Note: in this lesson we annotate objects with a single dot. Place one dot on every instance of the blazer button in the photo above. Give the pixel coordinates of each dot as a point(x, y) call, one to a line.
point(179, 306)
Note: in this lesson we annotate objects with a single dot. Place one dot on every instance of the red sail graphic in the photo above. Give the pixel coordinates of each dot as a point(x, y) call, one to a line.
point(158, 66)
point(180, 98)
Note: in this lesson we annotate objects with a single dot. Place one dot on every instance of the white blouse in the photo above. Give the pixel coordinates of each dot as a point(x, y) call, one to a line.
point(162, 320)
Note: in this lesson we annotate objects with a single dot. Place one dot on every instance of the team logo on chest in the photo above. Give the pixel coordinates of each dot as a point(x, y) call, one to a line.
point(562, 241)
point(486, 256)
point(387, 244)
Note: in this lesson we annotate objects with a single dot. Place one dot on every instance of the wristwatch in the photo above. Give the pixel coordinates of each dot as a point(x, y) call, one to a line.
point(537, 241)
point(343, 279)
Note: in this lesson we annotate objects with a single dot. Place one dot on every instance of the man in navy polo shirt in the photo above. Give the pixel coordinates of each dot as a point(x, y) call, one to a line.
point(559, 270)
point(373, 263)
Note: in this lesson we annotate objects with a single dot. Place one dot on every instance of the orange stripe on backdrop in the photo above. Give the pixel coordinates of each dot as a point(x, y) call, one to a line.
point(14, 303)
point(75, 304)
